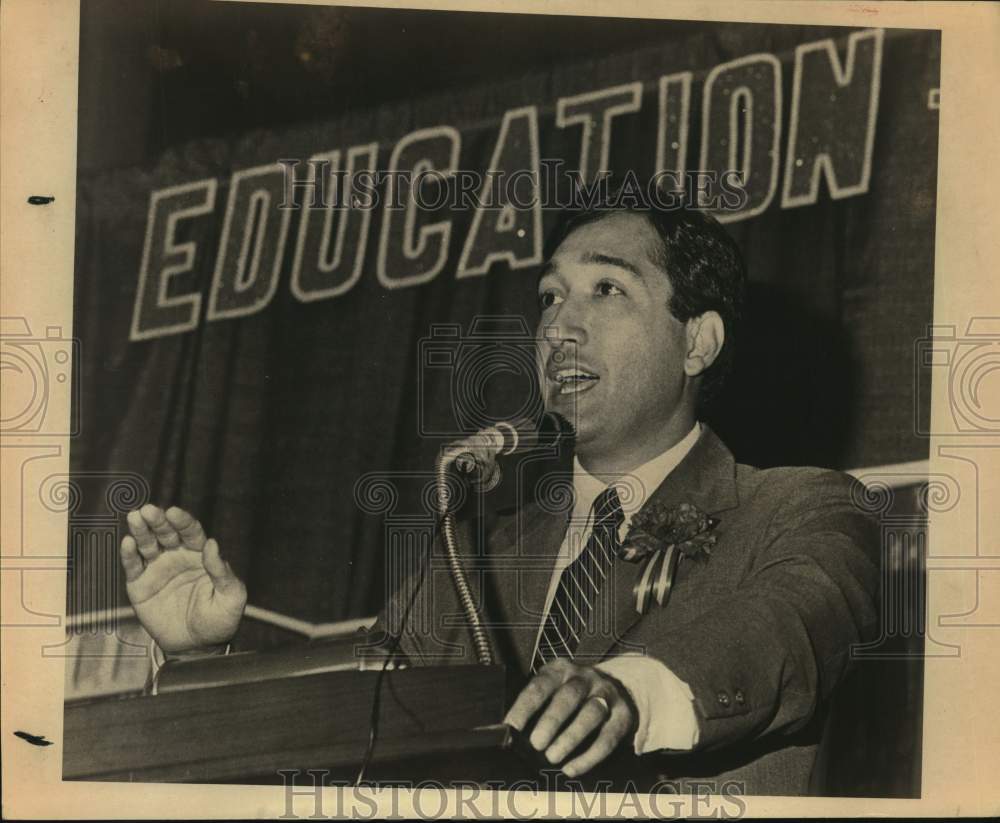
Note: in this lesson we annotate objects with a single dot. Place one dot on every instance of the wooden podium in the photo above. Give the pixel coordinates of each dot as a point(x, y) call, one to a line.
point(440, 722)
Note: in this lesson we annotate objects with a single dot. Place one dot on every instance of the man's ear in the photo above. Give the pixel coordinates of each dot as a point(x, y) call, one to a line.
point(705, 335)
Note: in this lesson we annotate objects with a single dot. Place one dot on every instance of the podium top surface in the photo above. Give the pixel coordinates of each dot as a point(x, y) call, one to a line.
point(253, 730)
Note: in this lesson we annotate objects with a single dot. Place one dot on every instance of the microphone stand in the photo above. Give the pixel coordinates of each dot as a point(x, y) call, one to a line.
point(507, 439)
point(480, 639)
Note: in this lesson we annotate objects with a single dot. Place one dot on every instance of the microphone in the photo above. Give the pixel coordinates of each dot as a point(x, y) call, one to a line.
point(476, 455)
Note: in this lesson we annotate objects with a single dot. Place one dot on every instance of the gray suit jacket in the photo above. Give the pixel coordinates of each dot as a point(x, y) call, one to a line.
point(761, 632)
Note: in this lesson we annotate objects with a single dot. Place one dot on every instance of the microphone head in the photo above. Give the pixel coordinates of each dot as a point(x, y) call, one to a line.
point(526, 433)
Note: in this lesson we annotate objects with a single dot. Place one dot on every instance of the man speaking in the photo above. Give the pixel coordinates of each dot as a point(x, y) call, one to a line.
point(734, 594)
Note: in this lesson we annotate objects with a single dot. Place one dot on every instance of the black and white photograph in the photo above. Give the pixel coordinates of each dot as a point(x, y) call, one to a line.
point(490, 400)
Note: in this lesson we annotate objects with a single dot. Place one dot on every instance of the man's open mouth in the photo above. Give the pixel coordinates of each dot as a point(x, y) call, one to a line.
point(573, 381)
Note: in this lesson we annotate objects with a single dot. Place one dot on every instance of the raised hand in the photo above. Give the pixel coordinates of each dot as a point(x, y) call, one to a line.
point(184, 594)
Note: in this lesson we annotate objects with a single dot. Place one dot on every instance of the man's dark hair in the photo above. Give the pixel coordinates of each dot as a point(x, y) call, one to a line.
point(702, 262)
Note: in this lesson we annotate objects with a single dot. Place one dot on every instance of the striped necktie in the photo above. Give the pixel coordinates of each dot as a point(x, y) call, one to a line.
point(580, 583)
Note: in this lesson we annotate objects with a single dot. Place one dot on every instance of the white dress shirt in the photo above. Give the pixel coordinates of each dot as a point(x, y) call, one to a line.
point(665, 703)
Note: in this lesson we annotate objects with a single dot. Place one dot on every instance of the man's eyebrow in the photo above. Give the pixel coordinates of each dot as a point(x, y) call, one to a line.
point(550, 268)
point(611, 260)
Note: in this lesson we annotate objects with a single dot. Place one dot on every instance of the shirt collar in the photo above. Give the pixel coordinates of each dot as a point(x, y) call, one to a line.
point(643, 481)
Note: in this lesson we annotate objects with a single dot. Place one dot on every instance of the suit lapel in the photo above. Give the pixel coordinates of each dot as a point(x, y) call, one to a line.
point(706, 477)
point(525, 558)
point(525, 553)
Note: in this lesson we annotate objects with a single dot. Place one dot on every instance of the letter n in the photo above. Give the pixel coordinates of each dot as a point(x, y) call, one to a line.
point(832, 128)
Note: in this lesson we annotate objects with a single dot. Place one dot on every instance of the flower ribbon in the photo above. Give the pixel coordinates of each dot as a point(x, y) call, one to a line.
point(660, 537)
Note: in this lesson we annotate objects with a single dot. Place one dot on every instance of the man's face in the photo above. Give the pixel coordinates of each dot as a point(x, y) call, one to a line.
point(612, 354)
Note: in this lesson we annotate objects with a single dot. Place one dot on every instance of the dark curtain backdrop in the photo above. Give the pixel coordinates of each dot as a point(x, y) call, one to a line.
point(263, 425)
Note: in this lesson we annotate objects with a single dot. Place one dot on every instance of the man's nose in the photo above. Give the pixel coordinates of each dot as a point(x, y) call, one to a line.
point(568, 325)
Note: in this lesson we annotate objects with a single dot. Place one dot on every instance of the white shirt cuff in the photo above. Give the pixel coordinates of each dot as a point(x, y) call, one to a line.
point(665, 703)
point(157, 659)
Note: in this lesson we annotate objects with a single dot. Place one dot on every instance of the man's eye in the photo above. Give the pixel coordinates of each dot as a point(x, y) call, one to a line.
point(606, 289)
point(547, 299)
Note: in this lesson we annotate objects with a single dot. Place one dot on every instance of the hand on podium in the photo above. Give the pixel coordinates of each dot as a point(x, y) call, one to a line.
point(184, 594)
point(574, 705)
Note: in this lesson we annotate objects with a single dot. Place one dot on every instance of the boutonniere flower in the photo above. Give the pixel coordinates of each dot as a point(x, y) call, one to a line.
point(659, 537)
